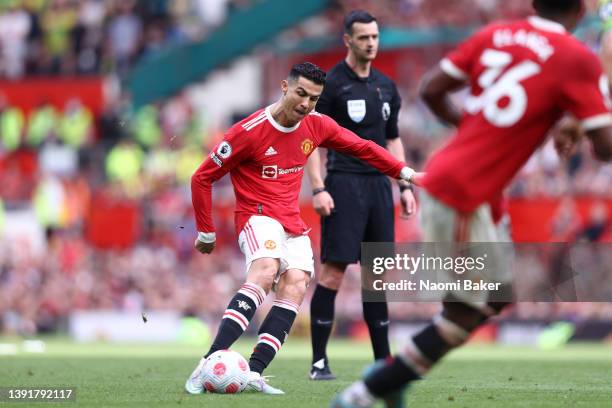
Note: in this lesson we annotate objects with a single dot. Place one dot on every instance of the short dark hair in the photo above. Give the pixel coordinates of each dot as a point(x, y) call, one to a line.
point(556, 7)
point(356, 16)
point(309, 71)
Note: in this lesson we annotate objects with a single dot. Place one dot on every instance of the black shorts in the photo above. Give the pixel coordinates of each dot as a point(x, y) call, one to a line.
point(363, 212)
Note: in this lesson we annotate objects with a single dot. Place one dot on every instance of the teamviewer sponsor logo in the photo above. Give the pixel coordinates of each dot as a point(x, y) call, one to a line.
point(272, 172)
point(296, 169)
point(269, 172)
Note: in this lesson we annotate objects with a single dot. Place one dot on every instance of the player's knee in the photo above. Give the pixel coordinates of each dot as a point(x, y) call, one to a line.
point(263, 271)
point(293, 284)
point(332, 275)
point(300, 281)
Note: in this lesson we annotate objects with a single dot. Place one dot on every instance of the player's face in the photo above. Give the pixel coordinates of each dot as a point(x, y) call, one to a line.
point(363, 43)
point(300, 98)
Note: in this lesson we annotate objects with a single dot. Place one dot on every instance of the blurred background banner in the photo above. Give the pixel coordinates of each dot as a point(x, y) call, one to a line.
point(30, 94)
point(108, 106)
point(119, 327)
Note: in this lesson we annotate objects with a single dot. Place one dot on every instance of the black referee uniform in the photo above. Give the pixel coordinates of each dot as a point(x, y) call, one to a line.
point(363, 198)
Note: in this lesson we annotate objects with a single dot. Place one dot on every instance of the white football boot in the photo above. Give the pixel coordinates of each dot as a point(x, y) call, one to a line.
point(355, 396)
point(258, 383)
point(194, 383)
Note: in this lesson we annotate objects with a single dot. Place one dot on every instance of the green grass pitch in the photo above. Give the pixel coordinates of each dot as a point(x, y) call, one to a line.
point(107, 375)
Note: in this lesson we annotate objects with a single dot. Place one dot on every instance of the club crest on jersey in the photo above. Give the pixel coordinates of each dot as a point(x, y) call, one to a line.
point(224, 150)
point(356, 109)
point(307, 146)
point(269, 244)
point(269, 172)
point(386, 111)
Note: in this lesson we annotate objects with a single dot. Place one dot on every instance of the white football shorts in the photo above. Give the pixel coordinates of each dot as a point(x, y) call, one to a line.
point(443, 224)
point(264, 237)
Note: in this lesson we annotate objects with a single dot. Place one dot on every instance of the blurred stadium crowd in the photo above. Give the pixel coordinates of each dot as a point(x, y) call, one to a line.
point(66, 37)
point(112, 190)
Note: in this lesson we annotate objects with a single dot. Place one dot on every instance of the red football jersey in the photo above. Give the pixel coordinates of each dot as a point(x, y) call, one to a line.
point(523, 75)
point(266, 163)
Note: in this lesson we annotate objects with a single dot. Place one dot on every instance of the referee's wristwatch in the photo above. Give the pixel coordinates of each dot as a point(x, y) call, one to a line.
point(404, 185)
point(317, 191)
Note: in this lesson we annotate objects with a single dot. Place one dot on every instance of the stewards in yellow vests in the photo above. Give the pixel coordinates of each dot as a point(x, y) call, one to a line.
point(11, 126)
point(76, 124)
point(189, 158)
point(160, 163)
point(49, 202)
point(145, 126)
point(124, 164)
point(197, 131)
point(42, 123)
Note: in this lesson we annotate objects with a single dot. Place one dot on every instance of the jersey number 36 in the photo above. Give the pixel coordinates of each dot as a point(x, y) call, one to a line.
point(503, 100)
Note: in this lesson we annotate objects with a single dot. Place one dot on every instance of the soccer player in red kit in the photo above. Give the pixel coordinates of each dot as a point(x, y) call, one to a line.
point(265, 155)
point(523, 76)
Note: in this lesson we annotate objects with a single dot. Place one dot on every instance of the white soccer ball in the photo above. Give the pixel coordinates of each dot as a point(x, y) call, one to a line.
point(225, 372)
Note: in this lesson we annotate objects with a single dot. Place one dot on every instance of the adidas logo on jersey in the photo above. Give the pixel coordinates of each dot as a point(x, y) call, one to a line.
point(270, 151)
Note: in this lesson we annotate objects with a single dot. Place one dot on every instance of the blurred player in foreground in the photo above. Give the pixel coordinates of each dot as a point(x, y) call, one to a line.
point(523, 76)
point(265, 155)
point(356, 201)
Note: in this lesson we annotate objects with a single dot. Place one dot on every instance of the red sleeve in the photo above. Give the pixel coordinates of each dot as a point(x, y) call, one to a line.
point(343, 140)
point(225, 156)
point(585, 92)
point(459, 62)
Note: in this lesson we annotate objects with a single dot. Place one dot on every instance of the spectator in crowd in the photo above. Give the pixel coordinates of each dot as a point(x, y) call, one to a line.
point(15, 25)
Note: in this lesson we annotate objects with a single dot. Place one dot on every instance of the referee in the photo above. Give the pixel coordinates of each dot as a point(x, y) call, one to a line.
point(356, 201)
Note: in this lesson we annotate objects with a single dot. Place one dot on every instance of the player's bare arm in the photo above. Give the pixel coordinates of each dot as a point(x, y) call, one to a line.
point(566, 136)
point(606, 52)
point(409, 206)
point(605, 12)
point(322, 201)
point(601, 139)
point(435, 89)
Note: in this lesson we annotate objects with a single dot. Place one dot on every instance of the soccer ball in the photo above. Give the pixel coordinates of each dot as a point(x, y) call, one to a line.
point(225, 372)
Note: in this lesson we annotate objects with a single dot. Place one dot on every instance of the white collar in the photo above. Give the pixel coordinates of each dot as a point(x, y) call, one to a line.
point(277, 125)
point(546, 25)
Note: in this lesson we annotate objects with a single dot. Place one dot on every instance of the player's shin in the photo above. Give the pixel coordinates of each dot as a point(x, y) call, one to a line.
point(448, 330)
point(237, 316)
point(376, 316)
point(321, 320)
point(273, 333)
